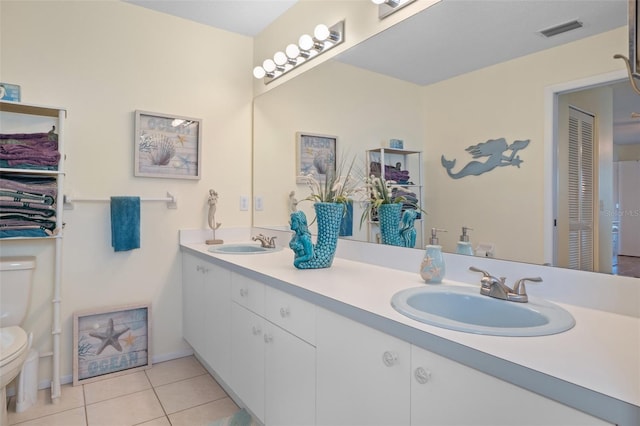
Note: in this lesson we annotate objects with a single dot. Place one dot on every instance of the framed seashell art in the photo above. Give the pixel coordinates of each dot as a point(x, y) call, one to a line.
point(167, 146)
point(316, 157)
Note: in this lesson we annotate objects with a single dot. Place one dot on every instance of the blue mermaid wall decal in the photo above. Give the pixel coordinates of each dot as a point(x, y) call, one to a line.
point(494, 149)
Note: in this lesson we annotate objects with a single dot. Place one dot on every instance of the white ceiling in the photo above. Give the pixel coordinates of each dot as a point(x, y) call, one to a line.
point(464, 35)
point(246, 17)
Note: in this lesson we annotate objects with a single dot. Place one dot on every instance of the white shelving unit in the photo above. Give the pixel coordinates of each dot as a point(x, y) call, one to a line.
point(20, 117)
point(406, 160)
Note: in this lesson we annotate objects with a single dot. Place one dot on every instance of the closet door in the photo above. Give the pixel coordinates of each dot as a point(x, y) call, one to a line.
point(629, 197)
point(580, 190)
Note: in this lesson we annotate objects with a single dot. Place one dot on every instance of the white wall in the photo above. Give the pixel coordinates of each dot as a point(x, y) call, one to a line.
point(102, 61)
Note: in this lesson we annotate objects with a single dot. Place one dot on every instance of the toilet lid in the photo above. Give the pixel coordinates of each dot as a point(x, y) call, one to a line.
point(13, 343)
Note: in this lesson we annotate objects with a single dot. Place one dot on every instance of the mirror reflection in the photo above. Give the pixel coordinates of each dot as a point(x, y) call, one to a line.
point(461, 90)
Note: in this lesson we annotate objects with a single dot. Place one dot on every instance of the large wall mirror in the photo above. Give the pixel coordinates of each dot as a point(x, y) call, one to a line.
point(457, 74)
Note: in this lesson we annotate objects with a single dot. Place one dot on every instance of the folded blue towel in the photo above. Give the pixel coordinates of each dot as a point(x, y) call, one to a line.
point(125, 223)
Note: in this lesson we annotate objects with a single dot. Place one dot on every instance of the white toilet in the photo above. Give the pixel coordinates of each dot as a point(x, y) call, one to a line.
point(16, 275)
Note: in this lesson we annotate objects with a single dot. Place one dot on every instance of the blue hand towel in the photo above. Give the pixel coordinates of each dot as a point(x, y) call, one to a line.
point(125, 223)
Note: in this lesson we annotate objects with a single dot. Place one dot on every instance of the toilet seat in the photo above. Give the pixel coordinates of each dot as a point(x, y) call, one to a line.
point(14, 343)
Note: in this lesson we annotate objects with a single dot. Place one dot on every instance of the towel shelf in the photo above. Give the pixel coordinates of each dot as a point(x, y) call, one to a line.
point(171, 200)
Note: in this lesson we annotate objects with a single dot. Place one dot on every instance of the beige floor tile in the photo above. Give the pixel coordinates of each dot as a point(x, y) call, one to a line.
point(189, 393)
point(203, 414)
point(175, 370)
point(116, 386)
point(73, 417)
point(160, 421)
point(125, 410)
point(72, 397)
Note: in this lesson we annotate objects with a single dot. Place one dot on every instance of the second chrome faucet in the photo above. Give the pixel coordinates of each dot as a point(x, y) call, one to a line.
point(496, 287)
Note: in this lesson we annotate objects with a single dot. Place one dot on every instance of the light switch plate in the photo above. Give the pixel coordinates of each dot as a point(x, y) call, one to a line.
point(244, 203)
point(258, 203)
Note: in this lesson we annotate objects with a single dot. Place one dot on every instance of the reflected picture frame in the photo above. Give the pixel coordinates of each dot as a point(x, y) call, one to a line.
point(316, 156)
point(110, 342)
point(167, 146)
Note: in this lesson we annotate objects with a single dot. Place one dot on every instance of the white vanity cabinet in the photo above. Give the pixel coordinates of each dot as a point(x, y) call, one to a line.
point(273, 361)
point(362, 374)
point(444, 392)
point(293, 362)
point(206, 309)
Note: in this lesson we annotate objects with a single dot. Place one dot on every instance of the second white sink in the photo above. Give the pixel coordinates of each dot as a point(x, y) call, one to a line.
point(465, 309)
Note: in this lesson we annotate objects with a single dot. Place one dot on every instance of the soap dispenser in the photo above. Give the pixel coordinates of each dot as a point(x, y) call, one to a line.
point(432, 267)
point(464, 246)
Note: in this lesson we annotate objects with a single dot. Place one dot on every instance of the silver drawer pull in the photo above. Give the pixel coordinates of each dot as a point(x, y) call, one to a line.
point(284, 312)
point(390, 358)
point(422, 376)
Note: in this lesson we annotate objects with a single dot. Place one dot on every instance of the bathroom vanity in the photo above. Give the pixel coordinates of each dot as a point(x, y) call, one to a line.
point(325, 347)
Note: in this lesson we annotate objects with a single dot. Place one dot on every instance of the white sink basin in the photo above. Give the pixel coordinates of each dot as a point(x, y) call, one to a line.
point(241, 249)
point(465, 309)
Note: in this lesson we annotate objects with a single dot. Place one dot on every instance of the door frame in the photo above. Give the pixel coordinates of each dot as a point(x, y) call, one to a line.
point(551, 94)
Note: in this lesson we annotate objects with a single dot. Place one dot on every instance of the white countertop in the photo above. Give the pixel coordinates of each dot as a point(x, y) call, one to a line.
point(600, 353)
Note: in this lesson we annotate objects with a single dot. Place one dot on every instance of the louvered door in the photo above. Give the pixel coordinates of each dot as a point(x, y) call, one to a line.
point(580, 190)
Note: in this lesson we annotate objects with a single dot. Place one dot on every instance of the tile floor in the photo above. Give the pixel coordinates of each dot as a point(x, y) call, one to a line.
point(173, 393)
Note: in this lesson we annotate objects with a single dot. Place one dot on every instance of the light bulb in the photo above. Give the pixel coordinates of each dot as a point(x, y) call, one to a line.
point(280, 58)
point(293, 51)
point(321, 32)
point(378, 1)
point(269, 66)
point(305, 42)
point(259, 72)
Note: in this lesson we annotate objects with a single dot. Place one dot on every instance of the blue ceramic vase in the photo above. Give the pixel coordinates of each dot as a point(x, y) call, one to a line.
point(319, 255)
point(389, 219)
point(396, 226)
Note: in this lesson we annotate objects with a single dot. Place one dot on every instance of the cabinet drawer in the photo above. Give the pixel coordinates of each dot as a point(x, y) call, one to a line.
point(291, 313)
point(248, 293)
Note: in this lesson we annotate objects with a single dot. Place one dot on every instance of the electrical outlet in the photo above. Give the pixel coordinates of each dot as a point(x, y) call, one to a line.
point(244, 203)
point(258, 203)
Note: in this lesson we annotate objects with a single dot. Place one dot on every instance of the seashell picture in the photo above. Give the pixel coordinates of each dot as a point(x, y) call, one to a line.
point(316, 156)
point(167, 146)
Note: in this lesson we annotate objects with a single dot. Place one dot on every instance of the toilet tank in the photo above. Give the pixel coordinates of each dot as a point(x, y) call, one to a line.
point(16, 276)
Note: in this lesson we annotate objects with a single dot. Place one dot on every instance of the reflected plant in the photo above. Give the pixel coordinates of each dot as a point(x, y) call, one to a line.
point(379, 191)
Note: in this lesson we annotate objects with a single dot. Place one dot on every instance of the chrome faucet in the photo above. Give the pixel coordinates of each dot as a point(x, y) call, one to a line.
point(496, 287)
point(266, 242)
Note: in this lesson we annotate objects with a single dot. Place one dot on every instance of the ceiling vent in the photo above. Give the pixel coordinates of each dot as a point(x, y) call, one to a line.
point(562, 28)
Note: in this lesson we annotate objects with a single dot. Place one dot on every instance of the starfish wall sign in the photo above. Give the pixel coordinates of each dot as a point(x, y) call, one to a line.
point(109, 337)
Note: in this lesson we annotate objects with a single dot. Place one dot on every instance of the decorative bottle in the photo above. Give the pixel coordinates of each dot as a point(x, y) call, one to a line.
point(432, 268)
point(464, 246)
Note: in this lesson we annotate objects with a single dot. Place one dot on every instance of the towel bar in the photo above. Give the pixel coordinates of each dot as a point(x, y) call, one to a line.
point(171, 200)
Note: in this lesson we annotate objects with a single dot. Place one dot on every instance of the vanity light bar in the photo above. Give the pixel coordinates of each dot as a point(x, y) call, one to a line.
point(387, 7)
point(324, 39)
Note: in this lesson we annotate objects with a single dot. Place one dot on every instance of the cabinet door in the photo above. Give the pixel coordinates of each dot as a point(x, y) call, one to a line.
point(444, 392)
point(248, 293)
point(362, 374)
point(290, 395)
point(193, 328)
point(217, 312)
point(247, 358)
